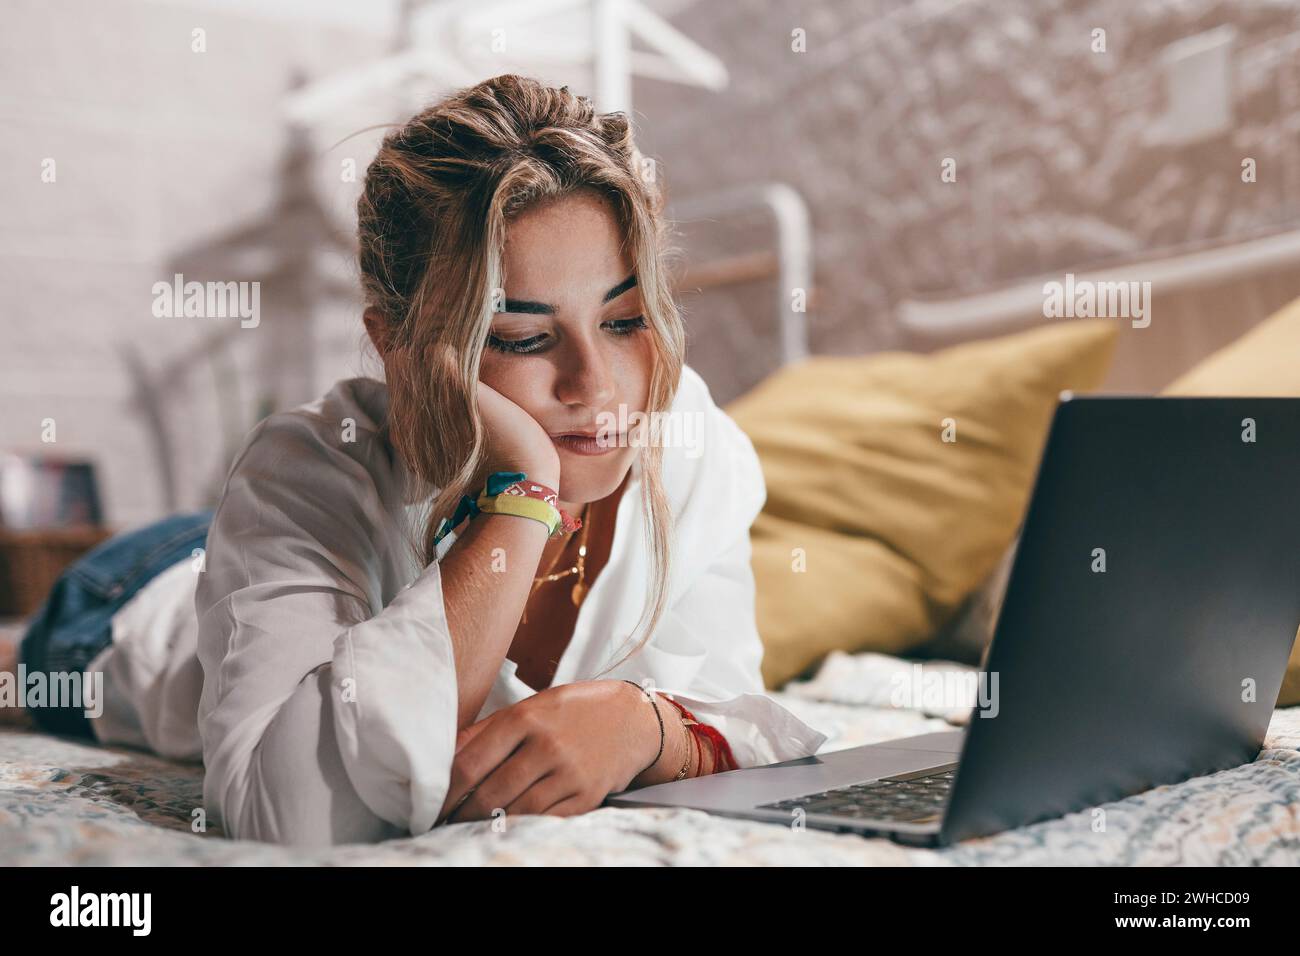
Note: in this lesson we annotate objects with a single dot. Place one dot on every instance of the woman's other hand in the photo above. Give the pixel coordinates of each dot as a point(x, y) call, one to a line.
point(559, 752)
point(516, 440)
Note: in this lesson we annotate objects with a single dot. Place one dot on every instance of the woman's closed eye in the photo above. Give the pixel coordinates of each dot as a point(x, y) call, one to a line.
point(519, 346)
point(535, 343)
point(626, 326)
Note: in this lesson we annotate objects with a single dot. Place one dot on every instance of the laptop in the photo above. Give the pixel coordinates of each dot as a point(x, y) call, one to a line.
point(1142, 639)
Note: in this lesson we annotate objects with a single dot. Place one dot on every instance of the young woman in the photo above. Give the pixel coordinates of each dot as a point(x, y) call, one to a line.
point(478, 587)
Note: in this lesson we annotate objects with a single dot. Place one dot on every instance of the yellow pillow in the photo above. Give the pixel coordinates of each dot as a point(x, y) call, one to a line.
point(839, 592)
point(876, 528)
point(1263, 362)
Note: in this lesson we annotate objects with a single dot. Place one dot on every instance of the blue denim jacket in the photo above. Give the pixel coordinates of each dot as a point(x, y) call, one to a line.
point(76, 621)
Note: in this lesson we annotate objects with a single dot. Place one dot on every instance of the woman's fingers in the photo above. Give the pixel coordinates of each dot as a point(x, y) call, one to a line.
point(572, 806)
point(527, 765)
point(545, 793)
point(517, 441)
point(467, 734)
point(483, 752)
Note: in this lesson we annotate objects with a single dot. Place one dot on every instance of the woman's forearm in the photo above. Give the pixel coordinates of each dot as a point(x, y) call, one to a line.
point(486, 579)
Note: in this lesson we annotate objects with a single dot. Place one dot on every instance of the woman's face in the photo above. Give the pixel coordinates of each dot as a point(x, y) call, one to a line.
point(570, 345)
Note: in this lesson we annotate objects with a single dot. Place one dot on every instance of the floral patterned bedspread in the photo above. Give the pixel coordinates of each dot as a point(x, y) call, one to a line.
point(66, 802)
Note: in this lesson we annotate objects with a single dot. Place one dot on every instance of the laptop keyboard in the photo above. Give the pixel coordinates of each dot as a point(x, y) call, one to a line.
point(911, 797)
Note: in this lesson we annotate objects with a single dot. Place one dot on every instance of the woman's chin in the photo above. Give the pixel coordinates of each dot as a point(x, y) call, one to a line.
point(585, 478)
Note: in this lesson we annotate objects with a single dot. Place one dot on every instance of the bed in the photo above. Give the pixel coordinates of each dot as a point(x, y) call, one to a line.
point(65, 802)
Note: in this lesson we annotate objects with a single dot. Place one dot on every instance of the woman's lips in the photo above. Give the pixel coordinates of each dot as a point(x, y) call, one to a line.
point(588, 444)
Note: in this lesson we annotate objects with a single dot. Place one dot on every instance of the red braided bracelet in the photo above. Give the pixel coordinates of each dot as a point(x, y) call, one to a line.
point(723, 758)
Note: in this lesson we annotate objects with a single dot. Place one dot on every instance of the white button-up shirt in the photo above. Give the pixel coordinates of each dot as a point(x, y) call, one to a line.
point(329, 698)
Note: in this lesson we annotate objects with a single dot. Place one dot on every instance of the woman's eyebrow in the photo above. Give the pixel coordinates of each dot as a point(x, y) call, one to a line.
point(541, 308)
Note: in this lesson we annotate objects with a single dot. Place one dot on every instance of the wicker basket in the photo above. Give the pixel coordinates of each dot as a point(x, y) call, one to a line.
point(31, 561)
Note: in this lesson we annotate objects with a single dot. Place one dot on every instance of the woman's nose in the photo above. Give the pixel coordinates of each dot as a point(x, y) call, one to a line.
point(586, 379)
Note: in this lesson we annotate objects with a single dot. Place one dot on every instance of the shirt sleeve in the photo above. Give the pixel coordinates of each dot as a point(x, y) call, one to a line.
point(326, 716)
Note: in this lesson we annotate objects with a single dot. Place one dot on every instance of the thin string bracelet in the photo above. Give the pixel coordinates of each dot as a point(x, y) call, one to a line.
point(658, 717)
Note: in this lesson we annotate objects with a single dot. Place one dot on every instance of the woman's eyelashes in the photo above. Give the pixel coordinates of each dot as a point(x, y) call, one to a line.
point(626, 326)
point(518, 346)
point(535, 343)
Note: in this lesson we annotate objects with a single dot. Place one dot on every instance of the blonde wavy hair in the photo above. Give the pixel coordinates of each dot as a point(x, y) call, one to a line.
point(432, 221)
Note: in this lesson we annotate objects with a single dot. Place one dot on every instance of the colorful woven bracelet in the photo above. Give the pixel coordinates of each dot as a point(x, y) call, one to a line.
point(510, 492)
point(521, 487)
point(523, 507)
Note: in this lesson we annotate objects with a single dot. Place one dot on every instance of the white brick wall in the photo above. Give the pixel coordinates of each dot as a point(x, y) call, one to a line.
point(158, 149)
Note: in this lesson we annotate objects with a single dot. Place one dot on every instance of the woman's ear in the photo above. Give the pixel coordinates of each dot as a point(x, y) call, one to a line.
point(377, 329)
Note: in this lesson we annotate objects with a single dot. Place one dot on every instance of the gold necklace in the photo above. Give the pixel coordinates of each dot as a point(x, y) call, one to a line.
point(579, 567)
